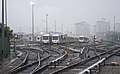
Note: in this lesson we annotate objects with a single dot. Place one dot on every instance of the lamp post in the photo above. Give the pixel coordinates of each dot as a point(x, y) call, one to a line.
point(33, 4)
point(46, 24)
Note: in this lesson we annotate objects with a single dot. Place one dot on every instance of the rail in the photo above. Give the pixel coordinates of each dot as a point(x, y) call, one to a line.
point(50, 63)
point(39, 64)
point(60, 58)
point(84, 61)
point(22, 67)
point(21, 64)
point(90, 67)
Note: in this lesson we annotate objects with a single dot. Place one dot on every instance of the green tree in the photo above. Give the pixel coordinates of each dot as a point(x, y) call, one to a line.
point(7, 32)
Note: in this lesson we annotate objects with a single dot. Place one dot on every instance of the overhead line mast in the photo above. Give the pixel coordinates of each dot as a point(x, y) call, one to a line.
point(2, 26)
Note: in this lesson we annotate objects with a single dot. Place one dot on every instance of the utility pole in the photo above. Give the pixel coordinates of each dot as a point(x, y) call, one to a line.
point(46, 23)
point(114, 29)
point(2, 26)
point(94, 41)
point(67, 30)
point(6, 12)
point(33, 4)
point(15, 45)
point(55, 26)
point(62, 27)
point(114, 24)
point(109, 27)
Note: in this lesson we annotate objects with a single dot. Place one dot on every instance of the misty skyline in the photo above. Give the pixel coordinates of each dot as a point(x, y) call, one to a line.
point(66, 12)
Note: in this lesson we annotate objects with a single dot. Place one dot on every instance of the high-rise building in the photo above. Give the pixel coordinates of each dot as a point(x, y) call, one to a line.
point(82, 28)
point(101, 28)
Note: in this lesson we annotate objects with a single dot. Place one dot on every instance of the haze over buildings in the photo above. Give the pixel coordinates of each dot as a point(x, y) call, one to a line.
point(101, 28)
point(82, 28)
point(117, 27)
point(66, 12)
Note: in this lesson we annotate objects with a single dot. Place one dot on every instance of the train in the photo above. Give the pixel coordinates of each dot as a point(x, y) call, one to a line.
point(58, 38)
point(46, 39)
point(83, 39)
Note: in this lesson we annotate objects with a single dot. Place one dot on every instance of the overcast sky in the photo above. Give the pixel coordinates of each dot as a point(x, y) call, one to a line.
point(66, 12)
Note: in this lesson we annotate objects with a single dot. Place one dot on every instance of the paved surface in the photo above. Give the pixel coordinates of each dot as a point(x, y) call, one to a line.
point(111, 69)
point(10, 59)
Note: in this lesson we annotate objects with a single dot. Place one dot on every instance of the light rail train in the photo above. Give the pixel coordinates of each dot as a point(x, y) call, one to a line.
point(46, 38)
point(58, 38)
point(83, 39)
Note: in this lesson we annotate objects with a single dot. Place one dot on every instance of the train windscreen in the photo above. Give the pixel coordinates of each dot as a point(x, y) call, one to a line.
point(45, 37)
point(81, 38)
point(55, 37)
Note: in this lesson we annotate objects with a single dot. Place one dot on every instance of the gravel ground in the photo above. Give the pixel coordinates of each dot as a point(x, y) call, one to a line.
point(7, 60)
point(111, 69)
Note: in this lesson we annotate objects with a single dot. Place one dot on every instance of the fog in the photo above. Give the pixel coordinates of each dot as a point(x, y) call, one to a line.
point(66, 12)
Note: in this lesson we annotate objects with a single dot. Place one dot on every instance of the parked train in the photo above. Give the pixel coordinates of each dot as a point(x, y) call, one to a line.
point(58, 38)
point(83, 39)
point(46, 38)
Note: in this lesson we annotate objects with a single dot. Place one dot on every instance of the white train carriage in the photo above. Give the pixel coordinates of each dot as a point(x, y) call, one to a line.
point(58, 38)
point(55, 38)
point(83, 39)
point(46, 38)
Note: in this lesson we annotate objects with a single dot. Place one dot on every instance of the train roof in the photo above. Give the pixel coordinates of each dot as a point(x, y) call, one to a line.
point(82, 36)
point(46, 35)
point(55, 34)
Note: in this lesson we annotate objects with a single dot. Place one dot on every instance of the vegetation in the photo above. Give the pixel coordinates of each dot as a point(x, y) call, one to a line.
point(112, 36)
point(7, 32)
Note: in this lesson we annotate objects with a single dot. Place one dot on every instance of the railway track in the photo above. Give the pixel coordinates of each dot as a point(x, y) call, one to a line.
point(55, 56)
point(81, 65)
point(54, 59)
point(112, 65)
point(59, 62)
point(31, 66)
point(31, 56)
point(19, 61)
